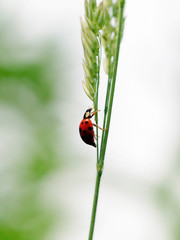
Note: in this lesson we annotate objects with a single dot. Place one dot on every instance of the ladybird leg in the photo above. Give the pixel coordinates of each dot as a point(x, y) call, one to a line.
point(93, 113)
point(99, 127)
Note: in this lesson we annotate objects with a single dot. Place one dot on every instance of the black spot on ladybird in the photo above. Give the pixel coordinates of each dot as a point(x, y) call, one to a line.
point(90, 128)
point(90, 136)
point(84, 131)
point(86, 122)
point(80, 129)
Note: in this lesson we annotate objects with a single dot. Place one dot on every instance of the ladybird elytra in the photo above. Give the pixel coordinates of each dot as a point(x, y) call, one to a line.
point(86, 127)
point(86, 132)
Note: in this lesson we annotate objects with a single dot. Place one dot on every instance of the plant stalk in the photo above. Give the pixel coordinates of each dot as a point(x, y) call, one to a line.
point(109, 102)
point(96, 100)
point(104, 142)
point(95, 201)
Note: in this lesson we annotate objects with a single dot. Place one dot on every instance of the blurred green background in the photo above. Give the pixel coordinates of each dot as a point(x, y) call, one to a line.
point(30, 88)
point(47, 173)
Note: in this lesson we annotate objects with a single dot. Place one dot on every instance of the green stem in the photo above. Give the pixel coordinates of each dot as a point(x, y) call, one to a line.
point(107, 95)
point(95, 201)
point(109, 102)
point(96, 104)
point(106, 107)
point(96, 119)
point(104, 143)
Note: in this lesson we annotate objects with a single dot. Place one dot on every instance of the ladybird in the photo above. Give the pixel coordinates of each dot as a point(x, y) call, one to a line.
point(86, 127)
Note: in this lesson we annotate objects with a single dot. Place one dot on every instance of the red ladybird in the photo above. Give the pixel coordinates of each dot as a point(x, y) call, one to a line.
point(86, 128)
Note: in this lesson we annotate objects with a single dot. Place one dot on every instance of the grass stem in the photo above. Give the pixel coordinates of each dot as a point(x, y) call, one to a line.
point(112, 88)
point(107, 118)
point(95, 201)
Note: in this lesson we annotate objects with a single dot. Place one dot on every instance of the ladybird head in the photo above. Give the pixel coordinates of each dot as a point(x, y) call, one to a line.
point(87, 113)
